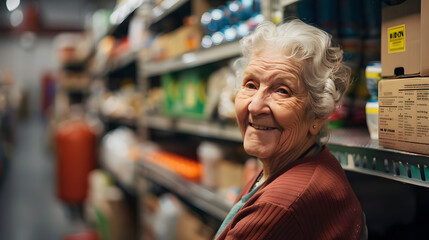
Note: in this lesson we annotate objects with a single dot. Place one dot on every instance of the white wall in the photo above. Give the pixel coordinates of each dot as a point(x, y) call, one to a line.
point(27, 65)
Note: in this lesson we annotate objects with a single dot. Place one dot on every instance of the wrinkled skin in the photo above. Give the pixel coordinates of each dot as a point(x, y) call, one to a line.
point(271, 109)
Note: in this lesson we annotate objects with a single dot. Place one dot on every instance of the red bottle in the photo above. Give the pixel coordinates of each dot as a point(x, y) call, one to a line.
point(76, 158)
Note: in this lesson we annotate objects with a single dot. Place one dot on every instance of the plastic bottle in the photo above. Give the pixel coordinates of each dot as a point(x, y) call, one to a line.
point(210, 156)
point(371, 109)
point(373, 76)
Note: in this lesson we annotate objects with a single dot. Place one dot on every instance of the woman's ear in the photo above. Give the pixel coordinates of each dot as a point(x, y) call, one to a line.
point(316, 125)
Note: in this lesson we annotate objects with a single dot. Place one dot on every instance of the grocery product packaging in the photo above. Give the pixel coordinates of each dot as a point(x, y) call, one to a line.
point(404, 34)
point(404, 114)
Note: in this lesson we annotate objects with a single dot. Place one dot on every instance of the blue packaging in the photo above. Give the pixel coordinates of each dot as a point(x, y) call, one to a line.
point(307, 11)
point(328, 16)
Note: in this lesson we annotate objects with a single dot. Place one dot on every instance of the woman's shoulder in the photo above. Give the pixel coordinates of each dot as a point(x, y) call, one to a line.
point(317, 176)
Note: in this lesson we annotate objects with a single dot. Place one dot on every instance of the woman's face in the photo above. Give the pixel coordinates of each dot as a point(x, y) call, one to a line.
point(271, 106)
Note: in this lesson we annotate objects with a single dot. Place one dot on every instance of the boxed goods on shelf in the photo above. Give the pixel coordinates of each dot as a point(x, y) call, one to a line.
point(185, 93)
point(199, 7)
point(160, 216)
point(106, 208)
point(171, 89)
point(404, 49)
point(182, 40)
point(126, 103)
point(221, 90)
point(230, 22)
point(190, 226)
point(193, 94)
point(185, 167)
point(166, 217)
point(404, 114)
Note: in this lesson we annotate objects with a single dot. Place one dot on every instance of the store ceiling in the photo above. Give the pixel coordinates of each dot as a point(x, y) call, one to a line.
point(54, 15)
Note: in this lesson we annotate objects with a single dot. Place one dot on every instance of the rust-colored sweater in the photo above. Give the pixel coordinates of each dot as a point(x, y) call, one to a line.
point(310, 199)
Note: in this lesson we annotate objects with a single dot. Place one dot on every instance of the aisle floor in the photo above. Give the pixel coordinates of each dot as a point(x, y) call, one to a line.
point(29, 208)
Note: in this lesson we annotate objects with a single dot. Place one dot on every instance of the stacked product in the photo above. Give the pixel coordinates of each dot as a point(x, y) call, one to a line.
point(373, 76)
point(404, 89)
point(175, 43)
point(185, 167)
point(356, 26)
point(186, 93)
point(106, 208)
point(230, 22)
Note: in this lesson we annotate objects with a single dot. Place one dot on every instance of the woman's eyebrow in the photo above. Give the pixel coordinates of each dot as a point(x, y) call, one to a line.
point(250, 74)
point(282, 76)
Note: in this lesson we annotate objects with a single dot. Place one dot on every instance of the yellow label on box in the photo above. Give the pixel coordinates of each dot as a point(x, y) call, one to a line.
point(396, 36)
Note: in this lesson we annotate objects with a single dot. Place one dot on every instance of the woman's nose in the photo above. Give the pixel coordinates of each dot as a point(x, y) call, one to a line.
point(259, 104)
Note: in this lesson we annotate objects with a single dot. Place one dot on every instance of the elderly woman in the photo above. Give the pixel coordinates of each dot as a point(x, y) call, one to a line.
point(292, 79)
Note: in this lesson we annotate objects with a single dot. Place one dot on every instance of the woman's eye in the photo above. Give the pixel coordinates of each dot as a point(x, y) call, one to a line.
point(283, 91)
point(250, 85)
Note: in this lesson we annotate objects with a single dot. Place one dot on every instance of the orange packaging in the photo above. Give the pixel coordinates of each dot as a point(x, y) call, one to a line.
point(185, 167)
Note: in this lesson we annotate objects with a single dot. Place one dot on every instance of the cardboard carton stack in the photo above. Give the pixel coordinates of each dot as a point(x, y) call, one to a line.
point(404, 88)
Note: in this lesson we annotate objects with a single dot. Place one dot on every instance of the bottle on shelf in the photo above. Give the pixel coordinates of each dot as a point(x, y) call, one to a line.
point(373, 76)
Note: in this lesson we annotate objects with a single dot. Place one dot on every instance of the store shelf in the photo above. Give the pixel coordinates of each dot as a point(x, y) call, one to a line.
point(358, 153)
point(353, 148)
point(123, 61)
point(111, 123)
point(195, 127)
point(117, 65)
point(129, 189)
point(192, 59)
point(121, 17)
point(166, 7)
point(284, 3)
point(121, 120)
point(191, 193)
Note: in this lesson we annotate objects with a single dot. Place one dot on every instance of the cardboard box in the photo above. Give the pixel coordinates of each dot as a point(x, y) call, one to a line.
point(232, 175)
point(182, 40)
point(190, 226)
point(404, 114)
point(199, 7)
point(404, 39)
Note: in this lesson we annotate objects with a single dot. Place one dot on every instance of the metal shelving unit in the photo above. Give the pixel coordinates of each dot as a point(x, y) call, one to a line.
point(195, 127)
point(358, 153)
point(353, 148)
point(165, 8)
point(118, 64)
point(192, 59)
point(190, 192)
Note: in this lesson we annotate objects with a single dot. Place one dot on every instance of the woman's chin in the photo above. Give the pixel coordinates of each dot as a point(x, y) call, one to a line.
point(257, 150)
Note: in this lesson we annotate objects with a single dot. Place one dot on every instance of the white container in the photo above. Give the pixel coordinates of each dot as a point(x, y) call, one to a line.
point(371, 110)
point(210, 156)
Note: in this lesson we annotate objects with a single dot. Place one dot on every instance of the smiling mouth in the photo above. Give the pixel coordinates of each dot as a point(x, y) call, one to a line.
point(259, 127)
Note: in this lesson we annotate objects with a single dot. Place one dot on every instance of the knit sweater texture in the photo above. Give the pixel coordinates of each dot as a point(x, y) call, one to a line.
point(309, 199)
